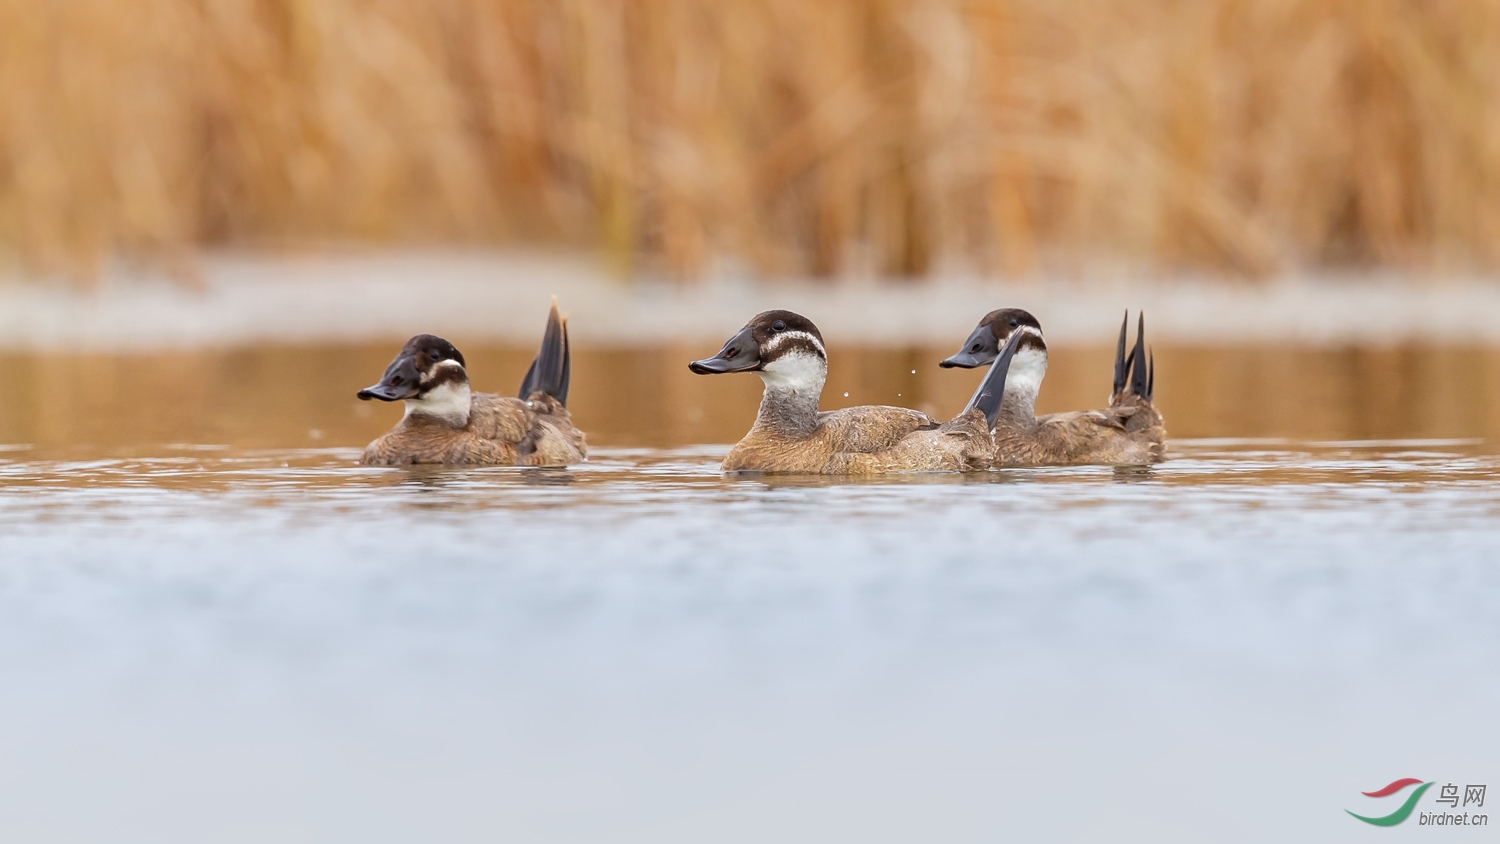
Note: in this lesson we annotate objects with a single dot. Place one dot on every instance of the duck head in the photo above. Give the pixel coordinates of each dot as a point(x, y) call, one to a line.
point(784, 348)
point(984, 343)
point(1028, 366)
point(429, 375)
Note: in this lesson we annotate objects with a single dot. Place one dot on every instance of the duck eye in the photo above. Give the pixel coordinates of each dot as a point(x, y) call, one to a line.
point(778, 326)
point(1014, 323)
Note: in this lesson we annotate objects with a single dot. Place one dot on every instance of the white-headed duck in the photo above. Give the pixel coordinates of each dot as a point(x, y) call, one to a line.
point(1128, 432)
point(790, 435)
point(446, 423)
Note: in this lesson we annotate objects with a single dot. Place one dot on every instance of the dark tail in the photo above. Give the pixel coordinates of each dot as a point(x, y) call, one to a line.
point(1136, 370)
point(992, 389)
point(1121, 366)
point(1140, 369)
point(549, 372)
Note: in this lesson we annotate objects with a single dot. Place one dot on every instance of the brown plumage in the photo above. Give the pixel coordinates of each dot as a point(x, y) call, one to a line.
point(791, 436)
point(447, 424)
point(1129, 431)
point(501, 431)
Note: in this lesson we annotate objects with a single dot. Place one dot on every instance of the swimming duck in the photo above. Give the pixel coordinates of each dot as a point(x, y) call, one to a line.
point(445, 423)
point(1129, 431)
point(790, 435)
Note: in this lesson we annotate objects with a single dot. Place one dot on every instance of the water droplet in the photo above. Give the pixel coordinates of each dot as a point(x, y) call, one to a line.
point(846, 395)
point(914, 372)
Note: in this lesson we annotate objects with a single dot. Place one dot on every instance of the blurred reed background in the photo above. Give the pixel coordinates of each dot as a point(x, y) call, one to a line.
point(830, 138)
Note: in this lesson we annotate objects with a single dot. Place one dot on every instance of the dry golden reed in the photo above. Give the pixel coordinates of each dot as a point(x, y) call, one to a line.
point(832, 137)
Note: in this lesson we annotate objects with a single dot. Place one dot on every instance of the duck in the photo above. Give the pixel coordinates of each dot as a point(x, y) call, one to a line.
point(791, 436)
point(447, 424)
point(1130, 431)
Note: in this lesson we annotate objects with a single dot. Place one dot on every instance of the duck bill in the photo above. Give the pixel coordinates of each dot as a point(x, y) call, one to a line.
point(988, 348)
point(401, 381)
point(740, 354)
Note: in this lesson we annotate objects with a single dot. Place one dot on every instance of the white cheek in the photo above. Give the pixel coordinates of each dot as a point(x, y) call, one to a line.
point(449, 402)
point(1027, 369)
point(777, 340)
point(796, 373)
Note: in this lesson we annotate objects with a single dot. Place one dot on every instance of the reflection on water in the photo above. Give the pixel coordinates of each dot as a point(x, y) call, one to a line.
point(295, 397)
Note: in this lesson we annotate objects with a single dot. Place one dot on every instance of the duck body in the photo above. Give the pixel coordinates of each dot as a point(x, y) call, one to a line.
point(447, 424)
point(1130, 431)
point(791, 436)
point(1078, 437)
point(500, 431)
point(869, 440)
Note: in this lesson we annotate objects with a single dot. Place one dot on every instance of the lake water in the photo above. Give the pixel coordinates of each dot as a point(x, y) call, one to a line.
point(215, 627)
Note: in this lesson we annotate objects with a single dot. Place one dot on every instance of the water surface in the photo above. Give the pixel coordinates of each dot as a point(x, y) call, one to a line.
point(213, 626)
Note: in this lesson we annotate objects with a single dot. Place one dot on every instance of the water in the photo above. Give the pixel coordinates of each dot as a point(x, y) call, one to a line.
point(214, 627)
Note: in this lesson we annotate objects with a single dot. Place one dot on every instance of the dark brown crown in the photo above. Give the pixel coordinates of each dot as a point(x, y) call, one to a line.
point(1006, 320)
point(766, 325)
point(782, 333)
point(428, 350)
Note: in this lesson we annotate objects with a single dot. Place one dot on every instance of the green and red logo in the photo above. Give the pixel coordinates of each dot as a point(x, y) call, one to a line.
point(1473, 795)
point(1402, 813)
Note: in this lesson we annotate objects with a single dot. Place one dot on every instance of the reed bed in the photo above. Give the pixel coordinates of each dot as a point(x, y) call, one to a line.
point(831, 138)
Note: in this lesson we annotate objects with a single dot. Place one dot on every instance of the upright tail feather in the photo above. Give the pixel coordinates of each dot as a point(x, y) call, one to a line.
point(992, 389)
point(549, 371)
point(1121, 366)
point(1140, 379)
point(1151, 378)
